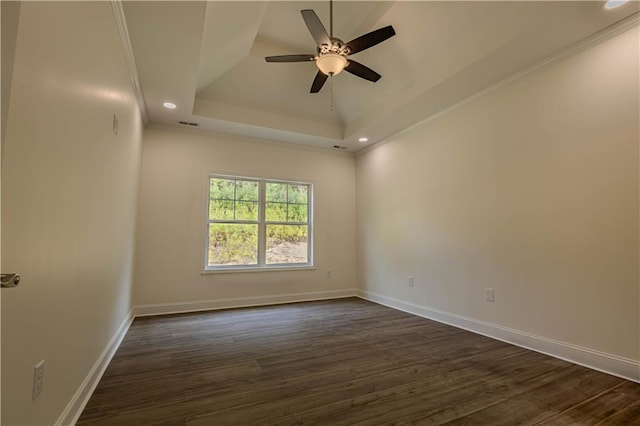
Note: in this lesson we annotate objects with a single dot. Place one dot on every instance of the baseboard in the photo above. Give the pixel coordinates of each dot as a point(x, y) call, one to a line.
point(240, 302)
point(73, 410)
point(607, 363)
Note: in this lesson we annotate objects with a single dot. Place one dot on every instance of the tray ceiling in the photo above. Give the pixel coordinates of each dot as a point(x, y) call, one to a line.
point(208, 58)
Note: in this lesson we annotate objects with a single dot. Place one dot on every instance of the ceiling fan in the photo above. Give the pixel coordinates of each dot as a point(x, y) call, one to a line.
point(333, 55)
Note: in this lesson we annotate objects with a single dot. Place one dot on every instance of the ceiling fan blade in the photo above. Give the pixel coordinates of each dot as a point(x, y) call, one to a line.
point(356, 68)
point(317, 30)
point(290, 58)
point(318, 82)
point(370, 39)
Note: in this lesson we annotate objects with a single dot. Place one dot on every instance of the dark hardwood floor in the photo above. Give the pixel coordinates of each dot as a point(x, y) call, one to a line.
point(342, 362)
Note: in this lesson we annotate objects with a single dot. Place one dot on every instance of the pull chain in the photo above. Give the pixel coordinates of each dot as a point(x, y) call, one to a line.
point(331, 88)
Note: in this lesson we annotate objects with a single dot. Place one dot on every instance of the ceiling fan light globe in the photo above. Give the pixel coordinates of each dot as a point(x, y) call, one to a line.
point(331, 63)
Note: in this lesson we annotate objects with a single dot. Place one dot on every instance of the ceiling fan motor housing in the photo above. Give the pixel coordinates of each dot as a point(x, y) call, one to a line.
point(337, 46)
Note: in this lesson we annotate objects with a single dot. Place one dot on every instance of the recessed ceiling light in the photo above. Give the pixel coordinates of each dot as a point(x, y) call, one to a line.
point(612, 4)
point(363, 139)
point(169, 105)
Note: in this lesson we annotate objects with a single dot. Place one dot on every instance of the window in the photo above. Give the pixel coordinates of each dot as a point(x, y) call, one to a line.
point(258, 223)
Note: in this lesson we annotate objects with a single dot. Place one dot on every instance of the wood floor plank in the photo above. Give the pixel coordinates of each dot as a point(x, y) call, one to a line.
point(609, 407)
point(341, 362)
point(536, 404)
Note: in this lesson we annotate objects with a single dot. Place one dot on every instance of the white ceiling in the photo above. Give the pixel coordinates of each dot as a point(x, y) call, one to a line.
point(208, 58)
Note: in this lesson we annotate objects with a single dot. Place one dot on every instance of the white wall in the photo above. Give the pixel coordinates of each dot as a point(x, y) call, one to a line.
point(172, 208)
point(69, 189)
point(531, 189)
point(10, 17)
point(9, 14)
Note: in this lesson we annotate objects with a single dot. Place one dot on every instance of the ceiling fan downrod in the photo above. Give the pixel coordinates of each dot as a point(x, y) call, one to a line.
point(331, 18)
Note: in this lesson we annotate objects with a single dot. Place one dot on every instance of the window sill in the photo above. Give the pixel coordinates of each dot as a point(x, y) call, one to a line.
point(259, 269)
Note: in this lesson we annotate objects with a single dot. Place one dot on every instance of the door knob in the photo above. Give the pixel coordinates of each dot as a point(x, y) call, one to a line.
point(9, 280)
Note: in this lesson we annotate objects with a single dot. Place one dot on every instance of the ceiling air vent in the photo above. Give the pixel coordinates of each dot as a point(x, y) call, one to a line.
point(339, 147)
point(189, 123)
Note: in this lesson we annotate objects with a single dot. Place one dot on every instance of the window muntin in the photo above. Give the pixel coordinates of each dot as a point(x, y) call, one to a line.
point(233, 199)
point(256, 223)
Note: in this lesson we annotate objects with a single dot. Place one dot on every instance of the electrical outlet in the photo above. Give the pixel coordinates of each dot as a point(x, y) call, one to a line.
point(38, 379)
point(410, 281)
point(489, 295)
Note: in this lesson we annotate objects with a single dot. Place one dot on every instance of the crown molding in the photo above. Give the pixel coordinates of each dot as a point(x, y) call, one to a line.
point(121, 23)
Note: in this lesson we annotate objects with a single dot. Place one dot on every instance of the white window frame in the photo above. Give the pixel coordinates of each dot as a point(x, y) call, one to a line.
point(262, 228)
